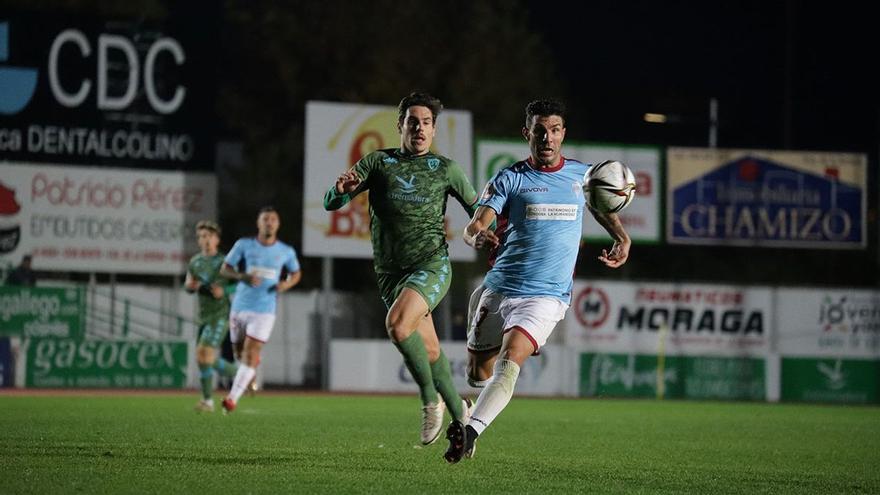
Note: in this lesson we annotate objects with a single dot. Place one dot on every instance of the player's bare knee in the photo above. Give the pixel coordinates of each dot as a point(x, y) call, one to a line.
point(398, 333)
point(397, 328)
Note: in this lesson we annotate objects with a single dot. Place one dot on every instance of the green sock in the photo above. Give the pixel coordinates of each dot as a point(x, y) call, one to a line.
point(206, 377)
point(225, 368)
point(416, 359)
point(442, 374)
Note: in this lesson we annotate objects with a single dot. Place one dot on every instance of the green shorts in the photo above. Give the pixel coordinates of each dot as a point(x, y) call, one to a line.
point(430, 279)
point(212, 334)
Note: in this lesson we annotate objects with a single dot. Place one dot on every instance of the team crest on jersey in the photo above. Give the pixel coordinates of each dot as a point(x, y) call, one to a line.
point(433, 163)
point(389, 160)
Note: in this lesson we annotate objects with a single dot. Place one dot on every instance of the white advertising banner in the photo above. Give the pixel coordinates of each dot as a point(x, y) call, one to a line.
point(376, 366)
point(641, 218)
point(674, 319)
point(337, 136)
point(83, 219)
point(829, 323)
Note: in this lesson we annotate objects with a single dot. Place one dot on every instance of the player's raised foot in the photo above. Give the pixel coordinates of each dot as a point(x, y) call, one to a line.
point(432, 422)
point(205, 405)
point(228, 405)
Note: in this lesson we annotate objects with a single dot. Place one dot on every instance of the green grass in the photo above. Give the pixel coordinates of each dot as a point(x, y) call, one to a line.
point(360, 444)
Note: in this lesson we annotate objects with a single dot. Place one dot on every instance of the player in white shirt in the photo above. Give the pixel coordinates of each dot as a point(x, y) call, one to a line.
point(264, 267)
point(540, 204)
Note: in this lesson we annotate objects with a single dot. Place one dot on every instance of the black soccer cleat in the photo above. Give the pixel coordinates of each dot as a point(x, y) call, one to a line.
point(456, 434)
point(462, 442)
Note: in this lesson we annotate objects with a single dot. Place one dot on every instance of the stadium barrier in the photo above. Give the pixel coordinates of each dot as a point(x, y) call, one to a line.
point(623, 339)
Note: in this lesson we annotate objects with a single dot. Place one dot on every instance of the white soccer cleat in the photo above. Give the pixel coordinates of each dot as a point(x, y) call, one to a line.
point(432, 422)
point(205, 406)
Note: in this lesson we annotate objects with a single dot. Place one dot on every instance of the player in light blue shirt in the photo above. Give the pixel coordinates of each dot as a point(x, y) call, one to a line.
point(540, 204)
point(264, 267)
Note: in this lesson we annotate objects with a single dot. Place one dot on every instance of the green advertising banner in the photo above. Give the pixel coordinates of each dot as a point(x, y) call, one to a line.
point(830, 380)
point(42, 312)
point(56, 363)
point(687, 377)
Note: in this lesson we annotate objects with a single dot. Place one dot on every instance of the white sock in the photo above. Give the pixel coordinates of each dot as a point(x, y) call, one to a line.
point(495, 397)
point(243, 378)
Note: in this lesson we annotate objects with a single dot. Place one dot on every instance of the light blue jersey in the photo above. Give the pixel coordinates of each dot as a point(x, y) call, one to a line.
point(267, 262)
point(543, 212)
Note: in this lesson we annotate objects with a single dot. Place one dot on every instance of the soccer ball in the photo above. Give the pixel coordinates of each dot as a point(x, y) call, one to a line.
point(609, 186)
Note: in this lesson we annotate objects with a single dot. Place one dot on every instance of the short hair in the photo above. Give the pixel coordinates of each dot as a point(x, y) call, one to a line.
point(544, 108)
point(268, 209)
point(27, 257)
point(419, 99)
point(208, 225)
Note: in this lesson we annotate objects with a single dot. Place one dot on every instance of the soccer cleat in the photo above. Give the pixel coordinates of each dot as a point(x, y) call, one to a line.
point(432, 422)
point(462, 442)
point(228, 405)
point(205, 405)
point(472, 441)
point(468, 408)
point(455, 433)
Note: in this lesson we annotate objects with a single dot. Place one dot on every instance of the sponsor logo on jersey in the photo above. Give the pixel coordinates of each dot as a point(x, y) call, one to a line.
point(407, 189)
point(407, 186)
point(264, 272)
point(536, 189)
point(551, 212)
point(433, 163)
point(390, 160)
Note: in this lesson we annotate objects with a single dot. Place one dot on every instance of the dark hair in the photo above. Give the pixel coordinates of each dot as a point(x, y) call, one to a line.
point(267, 209)
point(544, 108)
point(418, 99)
point(208, 225)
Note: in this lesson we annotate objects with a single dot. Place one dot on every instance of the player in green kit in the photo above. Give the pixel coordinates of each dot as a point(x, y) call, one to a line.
point(202, 276)
point(408, 189)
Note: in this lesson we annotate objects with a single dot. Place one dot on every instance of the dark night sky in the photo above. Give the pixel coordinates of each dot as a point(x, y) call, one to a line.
point(623, 59)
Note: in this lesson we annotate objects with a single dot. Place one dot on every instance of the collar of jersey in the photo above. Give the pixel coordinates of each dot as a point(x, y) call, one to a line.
point(400, 154)
point(555, 168)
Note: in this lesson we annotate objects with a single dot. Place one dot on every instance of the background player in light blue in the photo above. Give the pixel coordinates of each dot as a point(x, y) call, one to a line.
point(263, 267)
point(528, 289)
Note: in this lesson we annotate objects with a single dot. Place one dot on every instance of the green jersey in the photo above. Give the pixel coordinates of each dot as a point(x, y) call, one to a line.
point(206, 269)
point(407, 205)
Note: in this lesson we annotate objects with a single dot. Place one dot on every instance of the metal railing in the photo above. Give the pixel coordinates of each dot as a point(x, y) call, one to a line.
point(110, 316)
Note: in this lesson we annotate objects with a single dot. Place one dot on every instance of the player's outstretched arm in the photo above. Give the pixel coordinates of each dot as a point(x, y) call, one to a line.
point(619, 252)
point(478, 232)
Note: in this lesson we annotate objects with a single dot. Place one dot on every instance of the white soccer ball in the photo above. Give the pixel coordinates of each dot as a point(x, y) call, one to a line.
point(609, 186)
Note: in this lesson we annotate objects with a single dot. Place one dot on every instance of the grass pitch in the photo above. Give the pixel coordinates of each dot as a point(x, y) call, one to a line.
point(366, 444)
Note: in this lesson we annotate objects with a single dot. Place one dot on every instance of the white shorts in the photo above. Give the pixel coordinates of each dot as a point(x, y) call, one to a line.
point(257, 326)
point(491, 315)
